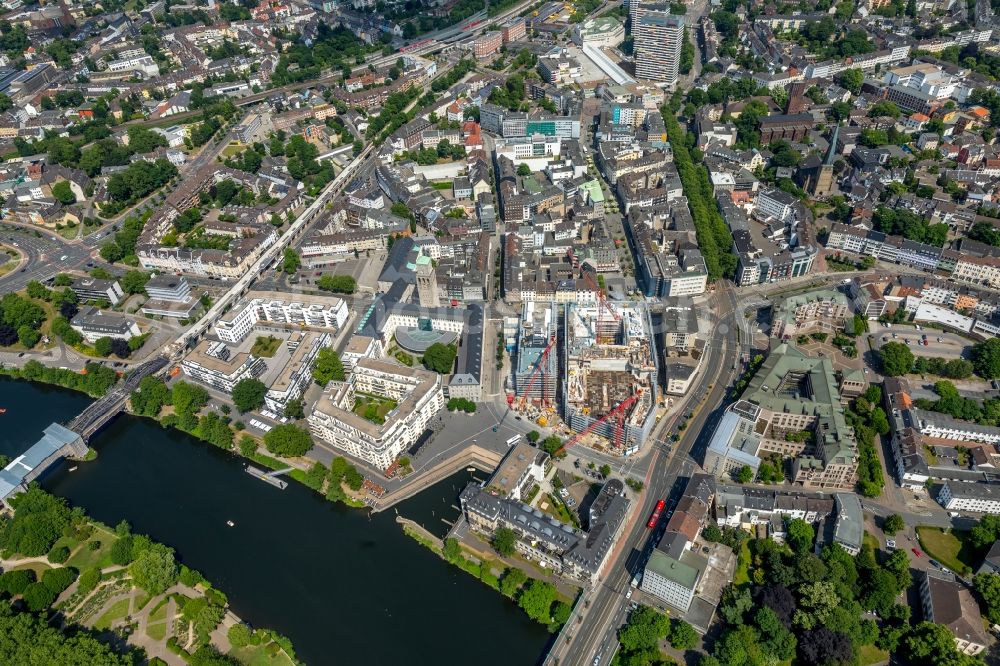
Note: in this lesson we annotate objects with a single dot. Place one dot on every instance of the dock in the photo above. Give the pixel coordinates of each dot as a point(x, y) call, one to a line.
point(269, 477)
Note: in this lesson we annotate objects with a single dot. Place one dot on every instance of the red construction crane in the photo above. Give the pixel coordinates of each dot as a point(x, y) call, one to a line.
point(618, 413)
point(534, 377)
point(602, 303)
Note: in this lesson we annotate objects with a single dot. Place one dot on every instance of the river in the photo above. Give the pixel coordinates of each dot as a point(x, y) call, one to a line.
point(343, 588)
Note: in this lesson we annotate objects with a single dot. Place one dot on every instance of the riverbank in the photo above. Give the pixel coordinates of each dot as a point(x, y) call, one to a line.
point(540, 600)
point(290, 557)
point(123, 587)
point(208, 427)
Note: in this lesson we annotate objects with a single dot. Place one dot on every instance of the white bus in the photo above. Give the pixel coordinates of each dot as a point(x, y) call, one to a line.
point(513, 440)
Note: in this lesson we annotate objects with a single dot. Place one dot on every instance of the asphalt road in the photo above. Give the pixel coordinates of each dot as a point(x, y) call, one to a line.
point(594, 639)
point(44, 256)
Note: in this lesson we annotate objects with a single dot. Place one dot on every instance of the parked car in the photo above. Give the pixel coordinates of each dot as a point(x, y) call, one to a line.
point(916, 552)
point(890, 544)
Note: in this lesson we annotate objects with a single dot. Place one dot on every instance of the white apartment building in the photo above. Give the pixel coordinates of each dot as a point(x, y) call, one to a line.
point(212, 363)
point(775, 204)
point(419, 396)
point(295, 376)
point(658, 40)
point(134, 60)
point(943, 426)
point(973, 497)
point(281, 308)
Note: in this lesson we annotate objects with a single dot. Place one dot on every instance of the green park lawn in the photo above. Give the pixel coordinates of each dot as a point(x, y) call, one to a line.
point(159, 613)
point(261, 655)
point(85, 558)
point(157, 631)
point(265, 346)
point(951, 548)
point(116, 611)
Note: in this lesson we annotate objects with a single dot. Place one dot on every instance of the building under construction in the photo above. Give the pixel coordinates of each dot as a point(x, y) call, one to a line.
point(610, 389)
point(536, 369)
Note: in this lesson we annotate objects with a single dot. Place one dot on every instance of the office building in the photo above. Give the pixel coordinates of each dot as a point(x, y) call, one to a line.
point(94, 289)
point(93, 325)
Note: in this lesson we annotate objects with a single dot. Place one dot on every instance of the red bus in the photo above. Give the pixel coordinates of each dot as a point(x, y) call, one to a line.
point(653, 519)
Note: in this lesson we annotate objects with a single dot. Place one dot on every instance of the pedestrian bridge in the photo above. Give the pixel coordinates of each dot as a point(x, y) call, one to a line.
point(70, 440)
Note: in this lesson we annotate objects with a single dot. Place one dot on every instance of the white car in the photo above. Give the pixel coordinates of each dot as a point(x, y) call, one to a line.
point(890, 544)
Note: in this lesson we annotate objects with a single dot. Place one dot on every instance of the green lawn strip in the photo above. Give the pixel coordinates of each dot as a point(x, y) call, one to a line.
point(951, 549)
point(869, 655)
point(261, 655)
point(157, 631)
point(159, 612)
point(117, 611)
point(38, 567)
point(742, 575)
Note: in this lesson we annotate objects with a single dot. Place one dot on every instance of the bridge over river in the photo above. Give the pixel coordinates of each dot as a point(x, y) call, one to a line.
point(70, 440)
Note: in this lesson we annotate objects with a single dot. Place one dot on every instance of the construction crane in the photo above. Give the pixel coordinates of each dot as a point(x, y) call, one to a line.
point(534, 377)
point(602, 303)
point(618, 413)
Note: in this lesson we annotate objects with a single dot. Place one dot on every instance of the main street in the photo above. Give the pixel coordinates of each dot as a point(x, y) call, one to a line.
point(593, 640)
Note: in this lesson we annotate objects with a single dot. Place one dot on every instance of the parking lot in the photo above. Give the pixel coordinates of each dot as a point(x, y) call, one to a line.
point(938, 343)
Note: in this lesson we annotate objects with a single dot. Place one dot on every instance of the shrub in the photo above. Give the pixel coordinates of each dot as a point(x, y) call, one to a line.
point(59, 555)
point(59, 579)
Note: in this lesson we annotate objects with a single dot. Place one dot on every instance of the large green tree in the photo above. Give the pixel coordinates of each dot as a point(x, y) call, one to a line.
point(896, 359)
point(440, 358)
point(327, 367)
point(288, 440)
point(154, 569)
point(504, 540)
point(986, 358)
point(248, 394)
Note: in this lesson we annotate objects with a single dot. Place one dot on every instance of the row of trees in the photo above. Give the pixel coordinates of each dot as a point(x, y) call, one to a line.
point(95, 382)
point(714, 238)
point(868, 419)
point(338, 284)
point(461, 405)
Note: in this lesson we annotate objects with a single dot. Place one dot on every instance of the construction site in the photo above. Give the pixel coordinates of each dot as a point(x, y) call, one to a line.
point(610, 387)
point(536, 368)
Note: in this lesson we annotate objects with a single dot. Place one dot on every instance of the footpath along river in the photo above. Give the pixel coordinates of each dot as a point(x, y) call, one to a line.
point(343, 588)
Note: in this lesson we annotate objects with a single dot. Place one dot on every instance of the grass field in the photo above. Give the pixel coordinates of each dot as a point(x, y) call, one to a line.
point(116, 611)
point(265, 346)
point(157, 631)
point(742, 576)
point(869, 655)
point(69, 233)
point(261, 655)
point(951, 549)
point(233, 149)
point(84, 558)
point(159, 613)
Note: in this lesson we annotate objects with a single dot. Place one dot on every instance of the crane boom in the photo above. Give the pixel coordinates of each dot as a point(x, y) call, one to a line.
point(534, 375)
point(617, 413)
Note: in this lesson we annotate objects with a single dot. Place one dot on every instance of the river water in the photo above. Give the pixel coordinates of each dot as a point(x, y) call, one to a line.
point(344, 588)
